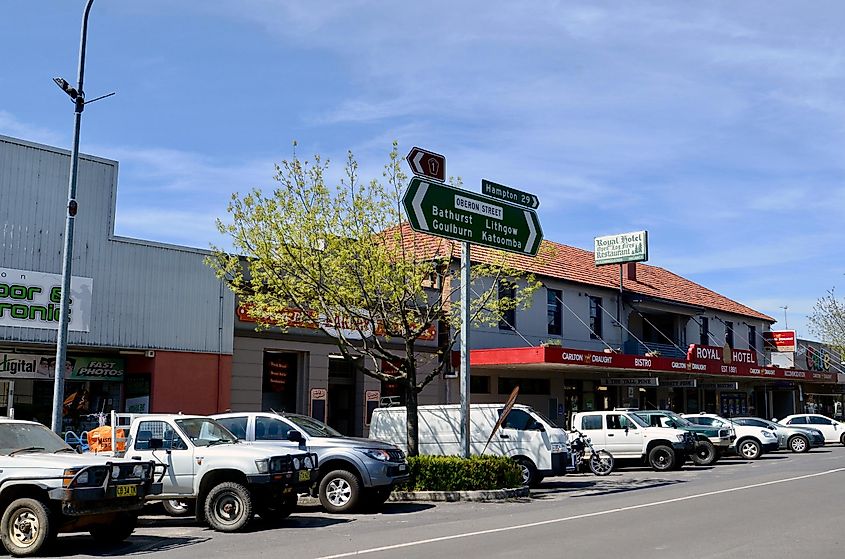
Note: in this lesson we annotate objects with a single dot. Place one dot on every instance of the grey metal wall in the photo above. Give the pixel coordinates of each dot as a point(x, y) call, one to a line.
point(146, 295)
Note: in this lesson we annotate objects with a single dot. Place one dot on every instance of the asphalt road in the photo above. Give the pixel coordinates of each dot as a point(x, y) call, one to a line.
point(783, 505)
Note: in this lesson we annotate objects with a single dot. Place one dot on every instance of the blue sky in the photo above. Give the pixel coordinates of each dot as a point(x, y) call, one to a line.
point(717, 126)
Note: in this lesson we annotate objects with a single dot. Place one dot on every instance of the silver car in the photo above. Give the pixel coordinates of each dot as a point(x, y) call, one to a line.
point(796, 439)
point(352, 472)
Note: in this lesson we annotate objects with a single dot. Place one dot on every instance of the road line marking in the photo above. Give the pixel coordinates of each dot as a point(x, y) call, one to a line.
point(576, 517)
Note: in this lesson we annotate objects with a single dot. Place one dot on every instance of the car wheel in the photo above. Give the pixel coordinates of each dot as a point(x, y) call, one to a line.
point(178, 507)
point(529, 471)
point(26, 527)
point(340, 491)
point(842, 439)
point(704, 453)
point(228, 507)
point(749, 449)
point(661, 458)
point(278, 510)
point(799, 443)
point(120, 528)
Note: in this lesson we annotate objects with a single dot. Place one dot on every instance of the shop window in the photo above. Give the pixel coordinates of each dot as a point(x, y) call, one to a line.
point(595, 318)
point(280, 376)
point(704, 331)
point(508, 321)
point(554, 311)
point(536, 386)
point(479, 384)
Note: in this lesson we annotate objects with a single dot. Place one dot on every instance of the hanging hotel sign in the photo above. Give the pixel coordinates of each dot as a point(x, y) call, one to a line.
point(32, 300)
point(631, 381)
point(624, 247)
point(780, 340)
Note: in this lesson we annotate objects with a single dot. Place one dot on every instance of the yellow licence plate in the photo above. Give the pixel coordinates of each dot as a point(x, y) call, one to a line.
point(304, 475)
point(127, 490)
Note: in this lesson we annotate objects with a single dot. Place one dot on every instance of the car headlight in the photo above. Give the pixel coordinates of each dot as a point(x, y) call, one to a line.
point(263, 466)
point(308, 463)
point(296, 463)
point(558, 447)
point(139, 471)
point(115, 472)
point(376, 454)
point(682, 437)
point(70, 472)
point(768, 434)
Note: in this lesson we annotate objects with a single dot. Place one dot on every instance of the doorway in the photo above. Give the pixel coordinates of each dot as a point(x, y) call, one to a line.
point(343, 387)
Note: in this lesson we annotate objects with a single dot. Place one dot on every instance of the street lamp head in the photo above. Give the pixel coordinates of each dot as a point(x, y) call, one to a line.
point(66, 87)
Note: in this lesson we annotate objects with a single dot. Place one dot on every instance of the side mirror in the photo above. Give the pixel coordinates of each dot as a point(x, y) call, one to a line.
point(775, 419)
point(156, 443)
point(295, 436)
point(773, 428)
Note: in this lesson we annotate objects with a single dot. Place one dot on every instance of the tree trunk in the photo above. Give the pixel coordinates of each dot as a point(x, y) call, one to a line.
point(412, 417)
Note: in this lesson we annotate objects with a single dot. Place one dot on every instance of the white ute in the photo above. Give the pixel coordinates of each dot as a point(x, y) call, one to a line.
point(224, 480)
point(47, 488)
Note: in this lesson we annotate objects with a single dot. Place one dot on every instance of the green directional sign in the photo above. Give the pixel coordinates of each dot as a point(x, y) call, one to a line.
point(462, 215)
point(509, 194)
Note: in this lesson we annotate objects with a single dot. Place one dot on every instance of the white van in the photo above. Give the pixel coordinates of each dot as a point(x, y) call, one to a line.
point(537, 445)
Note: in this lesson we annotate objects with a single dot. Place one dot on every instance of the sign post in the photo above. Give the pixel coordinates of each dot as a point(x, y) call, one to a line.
point(503, 220)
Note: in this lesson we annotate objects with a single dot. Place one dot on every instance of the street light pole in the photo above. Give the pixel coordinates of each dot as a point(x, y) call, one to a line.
point(78, 98)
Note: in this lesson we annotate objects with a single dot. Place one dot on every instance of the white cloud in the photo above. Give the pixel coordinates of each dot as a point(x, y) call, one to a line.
point(11, 126)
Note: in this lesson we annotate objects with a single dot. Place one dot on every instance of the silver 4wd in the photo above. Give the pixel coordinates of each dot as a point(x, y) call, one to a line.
point(224, 481)
point(47, 488)
point(625, 435)
point(353, 472)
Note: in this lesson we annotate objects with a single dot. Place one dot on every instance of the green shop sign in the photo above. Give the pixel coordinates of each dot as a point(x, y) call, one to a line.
point(98, 368)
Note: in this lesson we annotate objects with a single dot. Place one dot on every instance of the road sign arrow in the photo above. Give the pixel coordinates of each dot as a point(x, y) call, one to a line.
point(462, 215)
point(427, 163)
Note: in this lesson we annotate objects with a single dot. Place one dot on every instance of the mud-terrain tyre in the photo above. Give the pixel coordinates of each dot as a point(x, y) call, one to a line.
point(661, 458)
point(26, 527)
point(228, 507)
point(704, 453)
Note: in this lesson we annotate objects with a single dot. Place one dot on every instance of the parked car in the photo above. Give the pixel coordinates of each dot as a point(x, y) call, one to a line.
point(626, 435)
point(46, 487)
point(536, 444)
point(750, 442)
point(352, 471)
point(796, 439)
point(224, 481)
point(711, 442)
point(833, 431)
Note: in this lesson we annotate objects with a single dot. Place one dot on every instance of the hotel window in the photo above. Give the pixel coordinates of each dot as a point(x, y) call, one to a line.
point(507, 290)
point(752, 337)
point(554, 310)
point(595, 317)
point(729, 333)
point(705, 331)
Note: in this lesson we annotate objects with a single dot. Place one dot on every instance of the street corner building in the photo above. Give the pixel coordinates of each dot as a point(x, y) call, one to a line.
point(150, 325)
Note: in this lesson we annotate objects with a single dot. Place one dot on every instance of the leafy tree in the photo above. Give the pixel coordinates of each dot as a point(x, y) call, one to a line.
point(827, 321)
point(344, 260)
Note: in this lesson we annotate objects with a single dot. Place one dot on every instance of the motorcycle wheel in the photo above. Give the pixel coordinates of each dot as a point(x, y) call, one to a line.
point(601, 463)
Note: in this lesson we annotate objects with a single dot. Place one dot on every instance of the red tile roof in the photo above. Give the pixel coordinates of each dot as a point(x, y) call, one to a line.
point(568, 263)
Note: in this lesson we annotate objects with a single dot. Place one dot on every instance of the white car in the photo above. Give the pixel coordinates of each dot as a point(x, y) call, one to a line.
point(750, 442)
point(833, 431)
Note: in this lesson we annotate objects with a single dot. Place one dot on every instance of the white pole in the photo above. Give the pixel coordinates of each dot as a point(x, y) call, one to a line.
point(10, 400)
point(465, 328)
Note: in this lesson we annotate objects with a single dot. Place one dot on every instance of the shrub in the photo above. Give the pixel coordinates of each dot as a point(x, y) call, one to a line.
point(452, 473)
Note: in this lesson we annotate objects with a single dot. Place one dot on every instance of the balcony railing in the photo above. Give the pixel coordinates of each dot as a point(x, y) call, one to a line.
point(633, 347)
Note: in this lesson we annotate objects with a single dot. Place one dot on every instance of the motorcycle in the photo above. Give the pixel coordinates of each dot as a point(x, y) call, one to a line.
point(600, 461)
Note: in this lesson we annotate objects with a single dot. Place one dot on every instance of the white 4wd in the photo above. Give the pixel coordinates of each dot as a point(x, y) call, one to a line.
point(209, 470)
point(47, 488)
point(625, 435)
